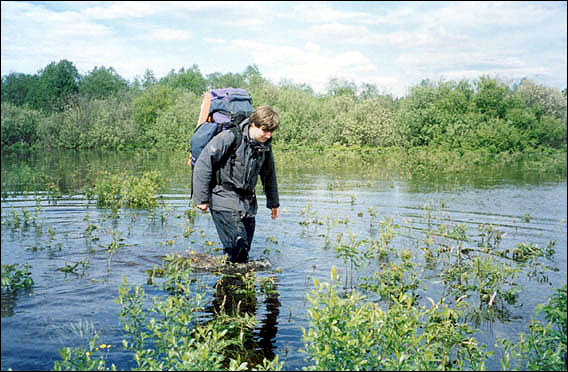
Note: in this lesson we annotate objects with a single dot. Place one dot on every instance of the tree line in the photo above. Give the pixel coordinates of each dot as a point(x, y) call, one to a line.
point(58, 108)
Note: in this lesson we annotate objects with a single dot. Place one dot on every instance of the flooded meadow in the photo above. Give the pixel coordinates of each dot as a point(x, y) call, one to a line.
point(492, 238)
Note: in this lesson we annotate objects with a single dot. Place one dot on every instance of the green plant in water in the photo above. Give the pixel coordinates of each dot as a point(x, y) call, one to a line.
point(80, 359)
point(544, 347)
point(491, 237)
point(113, 246)
point(16, 276)
point(352, 334)
point(381, 248)
point(394, 279)
point(372, 215)
point(310, 216)
point(176, 339)
point(82, 264)
point(116, 191)
point(351, 256)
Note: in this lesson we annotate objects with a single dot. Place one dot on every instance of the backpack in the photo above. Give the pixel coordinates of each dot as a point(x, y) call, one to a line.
point(222, 109)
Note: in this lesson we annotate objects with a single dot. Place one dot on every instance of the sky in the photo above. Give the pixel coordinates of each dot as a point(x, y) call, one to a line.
point(394, 45)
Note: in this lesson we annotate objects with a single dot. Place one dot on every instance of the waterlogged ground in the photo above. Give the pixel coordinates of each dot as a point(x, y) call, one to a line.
point(54, 226)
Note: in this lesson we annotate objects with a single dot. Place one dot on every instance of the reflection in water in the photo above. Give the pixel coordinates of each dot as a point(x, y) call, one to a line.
point(236, 294)
point(8, 303)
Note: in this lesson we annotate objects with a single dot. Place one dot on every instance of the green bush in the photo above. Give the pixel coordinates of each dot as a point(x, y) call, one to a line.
point(352, 334)
point(369, 123)
point(101, 111)
point(147, 106)
point(112, 126)
point(116, 191)
point(176, 124)
point(544, 347)
point(19, 125)
point(542, 100)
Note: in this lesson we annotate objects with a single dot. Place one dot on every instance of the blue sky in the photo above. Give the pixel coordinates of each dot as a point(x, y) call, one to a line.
point(394, 45)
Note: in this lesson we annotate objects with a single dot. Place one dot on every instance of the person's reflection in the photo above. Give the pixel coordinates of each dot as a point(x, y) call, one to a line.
point(236, 293)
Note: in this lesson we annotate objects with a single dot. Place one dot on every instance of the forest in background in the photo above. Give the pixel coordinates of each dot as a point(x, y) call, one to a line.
point(59, 108)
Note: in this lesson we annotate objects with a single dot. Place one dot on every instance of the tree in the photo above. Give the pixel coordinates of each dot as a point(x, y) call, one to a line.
point(368, 91)
point(252, 76)
point(57, 82)
point(490, 97)
point(16, 88)
point(190, 79)
point(149, 79)
point(102, 82)
point(341, 87)
point(218, 80)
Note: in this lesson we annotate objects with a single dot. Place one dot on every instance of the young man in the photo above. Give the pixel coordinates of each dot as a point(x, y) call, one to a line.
point(225, 183)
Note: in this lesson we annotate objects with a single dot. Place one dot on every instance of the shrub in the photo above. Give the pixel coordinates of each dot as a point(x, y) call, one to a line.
point(544, 347)
point(542, 100)
point(147, 106)
point(19, 125)
point(351, 334)
point(176, 124)
point(368, 123)
point(114, 191)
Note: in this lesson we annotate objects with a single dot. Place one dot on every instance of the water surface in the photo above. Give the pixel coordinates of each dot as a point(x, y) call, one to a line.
point(65, 309)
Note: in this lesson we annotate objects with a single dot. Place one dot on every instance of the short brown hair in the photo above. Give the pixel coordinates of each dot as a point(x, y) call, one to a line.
point(266, 118)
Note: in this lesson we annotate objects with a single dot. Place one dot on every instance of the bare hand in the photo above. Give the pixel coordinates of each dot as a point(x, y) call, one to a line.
point(275, 213)
point(202, 207)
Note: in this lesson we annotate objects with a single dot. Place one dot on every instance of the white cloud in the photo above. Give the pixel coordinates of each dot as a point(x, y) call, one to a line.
point(122, 9)
point(166, 34)
point(312, 65)
point(316, 12)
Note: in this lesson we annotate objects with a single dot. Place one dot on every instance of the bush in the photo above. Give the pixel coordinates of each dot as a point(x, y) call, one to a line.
point(369, 123)
point(147, 106)
point(175, 126)
point(351, 334)
point(542, 100)
point(115, 191)
point(544, 347)
point(19, 125)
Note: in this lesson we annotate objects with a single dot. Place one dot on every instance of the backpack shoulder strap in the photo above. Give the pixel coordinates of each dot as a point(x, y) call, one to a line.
point(231, 153)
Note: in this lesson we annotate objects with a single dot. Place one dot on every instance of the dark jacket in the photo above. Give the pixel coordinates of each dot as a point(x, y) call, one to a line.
point(233, 188)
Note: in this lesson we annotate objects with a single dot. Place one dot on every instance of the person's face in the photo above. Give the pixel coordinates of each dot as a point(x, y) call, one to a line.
point(259, 134)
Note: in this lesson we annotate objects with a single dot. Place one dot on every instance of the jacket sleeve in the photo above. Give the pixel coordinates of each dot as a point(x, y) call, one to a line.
point(207, 164)
point(269, 182)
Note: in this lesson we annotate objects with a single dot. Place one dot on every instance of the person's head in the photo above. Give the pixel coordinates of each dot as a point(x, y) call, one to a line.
point(264, 120)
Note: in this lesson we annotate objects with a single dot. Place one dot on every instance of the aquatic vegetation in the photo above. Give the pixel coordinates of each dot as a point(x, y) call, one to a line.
point(118, 191)
point(179, 339)
point(79, 359)
point(394, 279)
point(72, 268)
point(544, 347)
point(353, 334)
point(16, 276)
point(478, 262)
point(351, 255)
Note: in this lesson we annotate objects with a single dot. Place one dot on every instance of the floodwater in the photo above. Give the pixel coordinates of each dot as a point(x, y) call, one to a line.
point(66, 309)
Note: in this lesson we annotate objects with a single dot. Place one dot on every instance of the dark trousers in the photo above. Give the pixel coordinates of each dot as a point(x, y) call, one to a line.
point(236, 234)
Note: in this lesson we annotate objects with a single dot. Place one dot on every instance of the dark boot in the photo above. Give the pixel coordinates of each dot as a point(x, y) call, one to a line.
point(240, 251)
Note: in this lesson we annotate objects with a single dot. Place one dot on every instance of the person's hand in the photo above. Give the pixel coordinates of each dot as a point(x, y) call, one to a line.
point(275, 213)
point(202, 207)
